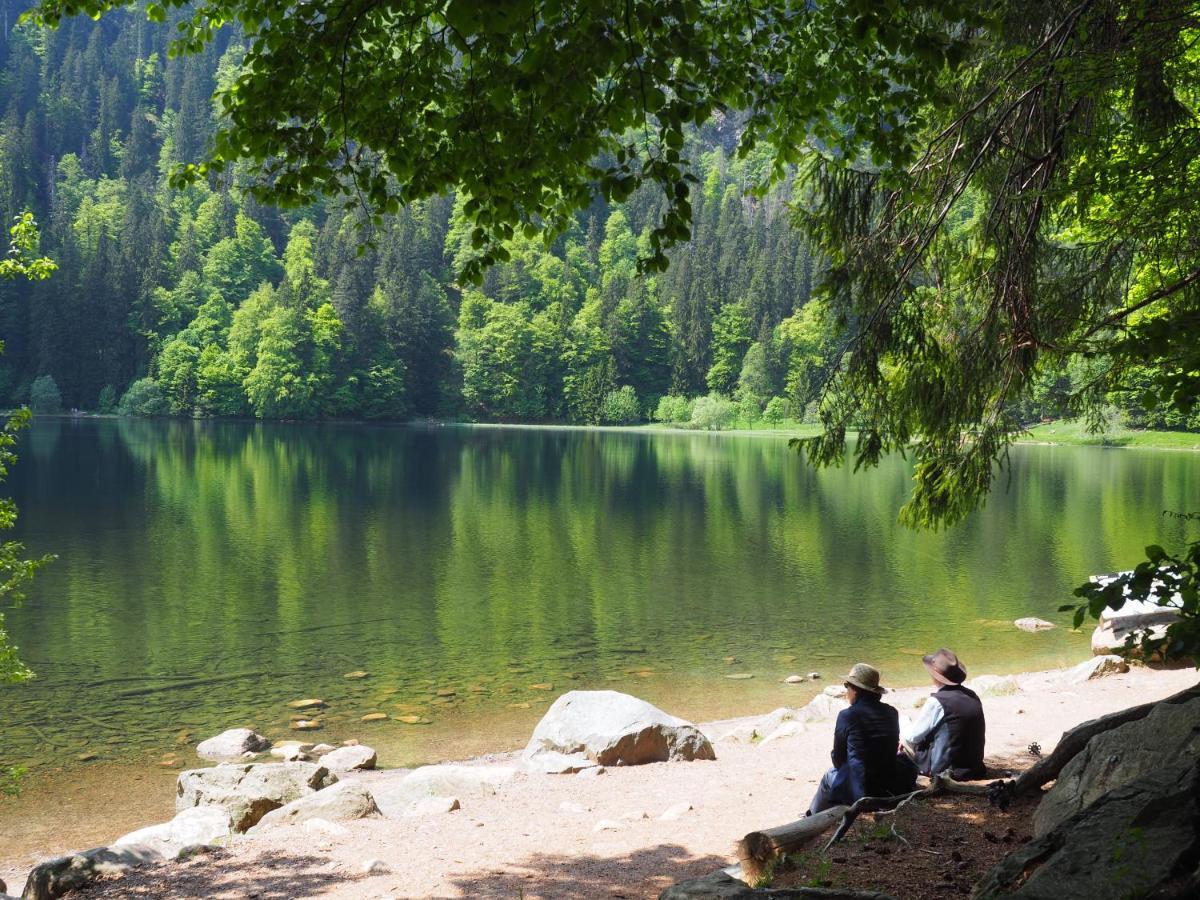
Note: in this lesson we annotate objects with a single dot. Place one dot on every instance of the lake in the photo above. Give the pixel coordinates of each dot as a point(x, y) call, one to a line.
point(209, 573)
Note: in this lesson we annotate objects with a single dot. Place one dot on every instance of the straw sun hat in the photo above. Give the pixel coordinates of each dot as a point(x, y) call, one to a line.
point(865, 678)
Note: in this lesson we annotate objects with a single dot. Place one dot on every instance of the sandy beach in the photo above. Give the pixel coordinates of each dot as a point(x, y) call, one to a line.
point(575, 836)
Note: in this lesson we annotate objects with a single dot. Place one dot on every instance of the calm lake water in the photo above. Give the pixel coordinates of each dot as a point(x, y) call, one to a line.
point(211, 572)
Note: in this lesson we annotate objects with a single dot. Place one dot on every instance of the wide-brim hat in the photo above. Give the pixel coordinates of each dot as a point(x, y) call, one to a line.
point(945, 667)
point(865, 678)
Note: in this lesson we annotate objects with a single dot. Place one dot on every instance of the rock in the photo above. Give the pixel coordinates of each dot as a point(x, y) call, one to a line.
point(309, 703)
point(594, 772)
point(1096, 667)
point(56, 877)
point(356, 675)
point(344, 801)
point(306, 725)
point(1132, 619)
point(374, 717)
point(321, 749)
point(676, 811)
point(291, 751)
point(1140, 839)
point(822, 708)
point(347, 759)
point(995, 685)
point(431, 806)
point(395, 793)
point(607, 825)
point(87, 757)
point(250, 791)
point(740, 676)
point(1112, 759)
point(324, 826)
point(232, 744)
point(1032, 623)
point(198, 825)
point(550, 762)
point(611, 728)
point(814, 676)
point(786, 730)
point(794, 679)
point(837, 691)
point(374, 867)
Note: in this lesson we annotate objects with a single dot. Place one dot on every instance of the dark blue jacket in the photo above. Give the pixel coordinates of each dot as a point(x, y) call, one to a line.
point(865, 740)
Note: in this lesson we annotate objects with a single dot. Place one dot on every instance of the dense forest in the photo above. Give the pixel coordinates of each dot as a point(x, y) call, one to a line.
point(201, 302)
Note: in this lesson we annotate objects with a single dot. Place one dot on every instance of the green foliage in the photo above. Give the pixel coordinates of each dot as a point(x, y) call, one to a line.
point(1168, 581)
point(44, 396)
point(144, 398)
point(621, 407)
point(712, 412)
point(730, 341)
point(673, 410)
point(777, 409)
point(22, 261)
point(10, 780)
point(106, 403)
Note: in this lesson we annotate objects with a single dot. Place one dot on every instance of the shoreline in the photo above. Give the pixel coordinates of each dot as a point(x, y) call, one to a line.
point(536, 829)
point(1042, 435)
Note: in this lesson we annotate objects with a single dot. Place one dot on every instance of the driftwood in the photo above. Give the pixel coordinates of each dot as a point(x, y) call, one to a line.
point(759, 849)
point(1073, 741)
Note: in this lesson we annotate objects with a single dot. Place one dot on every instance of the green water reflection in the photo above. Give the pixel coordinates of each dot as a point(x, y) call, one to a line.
point(211, 572)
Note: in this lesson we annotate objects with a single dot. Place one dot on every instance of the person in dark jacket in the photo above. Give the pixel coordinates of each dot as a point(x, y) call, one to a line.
point(948, 734)
point(864, 746)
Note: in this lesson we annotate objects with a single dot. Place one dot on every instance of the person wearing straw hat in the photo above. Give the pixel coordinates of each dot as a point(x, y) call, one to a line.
point(948, 734)
point(864, 745)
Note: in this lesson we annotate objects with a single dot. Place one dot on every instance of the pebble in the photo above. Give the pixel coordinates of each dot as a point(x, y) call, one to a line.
point(814, 676)
point(87, 757)
point(374, 717)
point(375, 867)
point(308, 703)
point(306, 725)
point(354, 676)
point(740, 676)
point(413, 720)
point(794, 679)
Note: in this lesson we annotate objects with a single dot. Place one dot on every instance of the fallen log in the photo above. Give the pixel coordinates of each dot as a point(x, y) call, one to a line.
point(758, 850)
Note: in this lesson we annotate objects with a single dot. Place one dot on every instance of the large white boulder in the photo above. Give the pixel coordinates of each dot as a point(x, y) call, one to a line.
point(251, 790)
point(615, 729)
point(195, 826)
point(232, 744)
point(343, 801)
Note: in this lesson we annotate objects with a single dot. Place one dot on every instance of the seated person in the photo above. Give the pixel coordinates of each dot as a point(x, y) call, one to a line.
point(948, 733)
point(864, 746)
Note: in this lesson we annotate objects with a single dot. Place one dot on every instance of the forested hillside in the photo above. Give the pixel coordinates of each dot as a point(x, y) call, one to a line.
point(202, 302)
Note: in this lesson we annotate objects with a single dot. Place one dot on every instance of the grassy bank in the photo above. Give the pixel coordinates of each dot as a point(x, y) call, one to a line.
point(1077, 434)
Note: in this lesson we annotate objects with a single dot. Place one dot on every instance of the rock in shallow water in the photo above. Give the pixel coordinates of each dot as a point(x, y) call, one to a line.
point(232, 744)
point(346, 759)
point(1032, 623)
